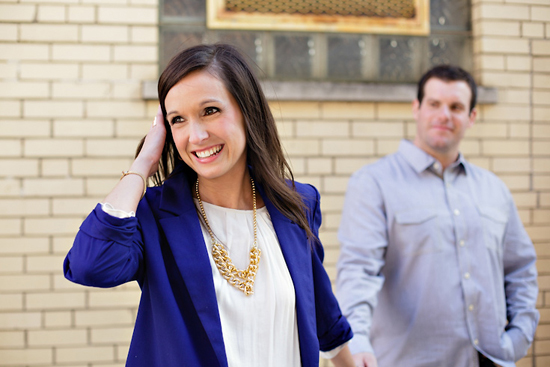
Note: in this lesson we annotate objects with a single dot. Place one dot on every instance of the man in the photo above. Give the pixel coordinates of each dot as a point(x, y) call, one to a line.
point(436, 268)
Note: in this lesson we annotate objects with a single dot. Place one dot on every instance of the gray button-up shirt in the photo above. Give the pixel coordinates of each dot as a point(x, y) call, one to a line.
point(435, 265)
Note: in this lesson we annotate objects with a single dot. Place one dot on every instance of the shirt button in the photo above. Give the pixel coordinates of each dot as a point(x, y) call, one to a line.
point(447, 185)
point(436, 166)
point(471, 307)
point(456, 212)
point(466, 275)
point(461, 243)
point(476, 342)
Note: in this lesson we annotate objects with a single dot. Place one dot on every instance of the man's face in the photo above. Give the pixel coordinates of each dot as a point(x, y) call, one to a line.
point(443, 117)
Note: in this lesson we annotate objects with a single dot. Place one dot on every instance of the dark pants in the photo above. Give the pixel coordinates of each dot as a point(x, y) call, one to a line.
point(484, 361)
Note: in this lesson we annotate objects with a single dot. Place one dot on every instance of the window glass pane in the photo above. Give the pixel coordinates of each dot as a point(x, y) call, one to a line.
point(344, 56)
point(448, 49)
point(450, 14)
point(396, 59)
point(174, 42)
point(244, 41)
point(249, 44)
point(184, 8)
point(292, 56)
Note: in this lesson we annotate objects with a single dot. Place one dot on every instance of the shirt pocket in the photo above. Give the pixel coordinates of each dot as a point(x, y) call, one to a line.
point(418, 231)
point(494, 222)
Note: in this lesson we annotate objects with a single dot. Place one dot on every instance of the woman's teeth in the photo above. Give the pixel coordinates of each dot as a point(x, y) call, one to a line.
point(209, 152)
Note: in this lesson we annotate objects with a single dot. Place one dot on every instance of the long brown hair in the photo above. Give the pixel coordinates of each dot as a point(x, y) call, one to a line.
point(264, 152)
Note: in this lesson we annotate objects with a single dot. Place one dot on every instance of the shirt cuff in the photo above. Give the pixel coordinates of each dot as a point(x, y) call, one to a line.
point(333, 352)
point(519, 342)
point(360, 344)
point(108, 208)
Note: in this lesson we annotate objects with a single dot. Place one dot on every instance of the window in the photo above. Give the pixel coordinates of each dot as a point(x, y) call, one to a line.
point(328, 56)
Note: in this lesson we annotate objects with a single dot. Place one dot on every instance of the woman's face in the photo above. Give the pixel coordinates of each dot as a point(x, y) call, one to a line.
point(207, 126)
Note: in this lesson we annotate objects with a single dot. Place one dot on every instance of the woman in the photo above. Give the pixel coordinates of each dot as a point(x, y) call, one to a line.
point(225, 248)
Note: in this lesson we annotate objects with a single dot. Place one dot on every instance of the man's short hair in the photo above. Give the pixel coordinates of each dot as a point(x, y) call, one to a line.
point(448, 73)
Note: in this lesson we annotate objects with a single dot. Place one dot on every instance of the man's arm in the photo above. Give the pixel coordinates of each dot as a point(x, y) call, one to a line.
point(363, 240)
point(520, 282)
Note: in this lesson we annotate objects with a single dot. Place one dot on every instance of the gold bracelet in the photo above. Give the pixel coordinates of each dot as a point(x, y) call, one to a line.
point(126, 173)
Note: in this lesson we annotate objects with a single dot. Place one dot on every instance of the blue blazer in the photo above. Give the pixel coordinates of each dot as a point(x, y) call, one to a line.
point(178, 322)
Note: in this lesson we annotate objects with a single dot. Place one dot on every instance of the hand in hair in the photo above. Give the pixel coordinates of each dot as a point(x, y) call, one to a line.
point(149, 155)
point(127, 193)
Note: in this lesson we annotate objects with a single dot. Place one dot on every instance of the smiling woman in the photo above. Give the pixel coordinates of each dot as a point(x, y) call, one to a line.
point(208, 131)
point(225, 248)
point(233, 79)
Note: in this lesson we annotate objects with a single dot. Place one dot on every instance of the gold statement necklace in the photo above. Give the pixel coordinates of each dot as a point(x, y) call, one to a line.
point(240, 279)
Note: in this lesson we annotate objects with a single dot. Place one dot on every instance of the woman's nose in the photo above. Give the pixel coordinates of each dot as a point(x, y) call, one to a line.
point(197, 132)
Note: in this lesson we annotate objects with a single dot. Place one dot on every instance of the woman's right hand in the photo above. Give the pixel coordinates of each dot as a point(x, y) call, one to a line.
point(127, 193)
point(148, 158)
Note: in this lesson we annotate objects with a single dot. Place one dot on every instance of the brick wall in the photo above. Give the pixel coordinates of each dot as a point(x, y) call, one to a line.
point(512, 48)
point(71, 115)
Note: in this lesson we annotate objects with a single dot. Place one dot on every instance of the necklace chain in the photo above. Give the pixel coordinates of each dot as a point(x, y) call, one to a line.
point(241, 279)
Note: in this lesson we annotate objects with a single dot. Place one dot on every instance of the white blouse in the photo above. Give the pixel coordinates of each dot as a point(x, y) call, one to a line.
point(260, 329)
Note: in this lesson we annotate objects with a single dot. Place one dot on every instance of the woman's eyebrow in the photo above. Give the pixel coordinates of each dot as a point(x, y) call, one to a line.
point(211, 100)
point(206, 101)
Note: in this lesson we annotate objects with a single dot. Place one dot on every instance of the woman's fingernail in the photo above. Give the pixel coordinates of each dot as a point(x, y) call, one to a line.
point(155, 121)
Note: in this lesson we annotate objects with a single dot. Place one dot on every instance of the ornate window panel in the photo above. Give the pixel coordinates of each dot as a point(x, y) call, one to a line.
point(409, 17)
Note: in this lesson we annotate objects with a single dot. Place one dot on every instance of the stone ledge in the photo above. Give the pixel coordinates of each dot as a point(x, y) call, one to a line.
point(330, 91)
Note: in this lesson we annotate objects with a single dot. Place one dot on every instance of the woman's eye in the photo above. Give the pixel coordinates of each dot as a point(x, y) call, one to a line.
point(210, 111)
point(176, 120)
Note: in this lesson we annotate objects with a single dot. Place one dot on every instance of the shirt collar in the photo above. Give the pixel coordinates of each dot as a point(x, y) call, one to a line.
point(460, 163)
point(420, 160)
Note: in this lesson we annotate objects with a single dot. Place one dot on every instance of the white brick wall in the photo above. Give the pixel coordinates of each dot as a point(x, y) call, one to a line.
point(514, 58)
point(70, 76)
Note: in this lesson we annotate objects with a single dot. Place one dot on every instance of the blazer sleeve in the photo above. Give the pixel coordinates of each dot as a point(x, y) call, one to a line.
point(333, 329)
point(107, 251)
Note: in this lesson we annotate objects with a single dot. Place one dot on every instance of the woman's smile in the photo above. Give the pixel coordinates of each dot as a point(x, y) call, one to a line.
point(209, 152)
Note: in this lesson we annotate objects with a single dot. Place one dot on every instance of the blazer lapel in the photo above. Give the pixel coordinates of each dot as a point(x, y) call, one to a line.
point(293, 242)
point(184, 235)
point(297, 253)
point(294, 246)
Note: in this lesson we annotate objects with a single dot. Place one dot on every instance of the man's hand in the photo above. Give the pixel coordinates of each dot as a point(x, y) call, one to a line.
point(365, 360)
